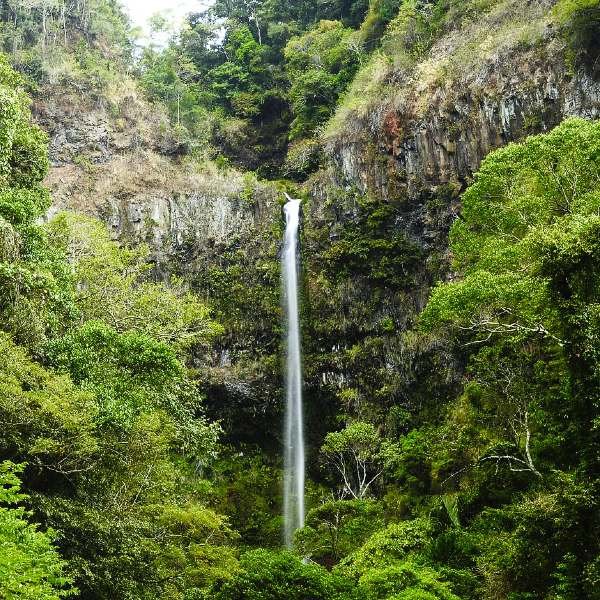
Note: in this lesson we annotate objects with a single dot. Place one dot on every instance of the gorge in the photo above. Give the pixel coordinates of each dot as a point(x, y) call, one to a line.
point(414, 416)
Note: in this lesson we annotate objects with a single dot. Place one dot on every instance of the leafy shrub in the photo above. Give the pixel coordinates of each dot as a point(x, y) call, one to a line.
point(113, 287)
point(337, 527)
point(320, 65)
point(303, 157)
point(30, 566)
point(404, 580)
point(387, 547)
point(282, 576)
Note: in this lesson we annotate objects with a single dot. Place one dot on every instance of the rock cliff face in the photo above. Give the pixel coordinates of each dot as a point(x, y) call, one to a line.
point(88, 128)
point(375, 224)
point(413, 144)
point(117, 157)
point(405, 150)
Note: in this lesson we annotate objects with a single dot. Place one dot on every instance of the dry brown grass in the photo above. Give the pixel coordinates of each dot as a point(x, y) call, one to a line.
point(461, 59)
point(138, 175)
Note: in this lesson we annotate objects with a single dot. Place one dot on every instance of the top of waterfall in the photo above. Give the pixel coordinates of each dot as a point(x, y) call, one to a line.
point(291, 209)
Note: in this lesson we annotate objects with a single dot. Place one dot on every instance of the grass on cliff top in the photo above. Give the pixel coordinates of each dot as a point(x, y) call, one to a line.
point(147, 176)
point(422, 54)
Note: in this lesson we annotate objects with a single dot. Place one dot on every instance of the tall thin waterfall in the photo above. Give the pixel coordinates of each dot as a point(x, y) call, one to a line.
point(293, 492)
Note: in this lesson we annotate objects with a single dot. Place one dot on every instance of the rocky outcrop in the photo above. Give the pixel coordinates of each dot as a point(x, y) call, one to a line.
point(115, 156)
point(474, 91)
point(86, 128)
point(401, 154)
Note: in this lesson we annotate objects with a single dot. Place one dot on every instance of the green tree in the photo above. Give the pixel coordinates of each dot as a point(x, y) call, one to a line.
point(30, 566)
point(527, 247)
point(354, 454)
point(35, 289)
point(405, 581)
point(320, 65)
point(525, 311)
point(132, 374)
point(337, 527)
point(112, 286)
point(48, 421)
point(387, 547)
point(390, 565)
point(281, 576)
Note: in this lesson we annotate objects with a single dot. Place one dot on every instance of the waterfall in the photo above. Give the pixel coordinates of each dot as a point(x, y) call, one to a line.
point(293, 486)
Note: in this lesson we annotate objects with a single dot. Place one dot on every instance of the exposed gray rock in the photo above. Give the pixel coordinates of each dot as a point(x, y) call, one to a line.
point(186, 225)
point(89, 131)
point(399, 154)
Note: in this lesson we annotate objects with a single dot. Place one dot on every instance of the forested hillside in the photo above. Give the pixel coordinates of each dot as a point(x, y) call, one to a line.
point(447, 155)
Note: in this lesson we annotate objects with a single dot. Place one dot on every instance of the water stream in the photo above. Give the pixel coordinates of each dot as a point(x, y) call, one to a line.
point(293, 492)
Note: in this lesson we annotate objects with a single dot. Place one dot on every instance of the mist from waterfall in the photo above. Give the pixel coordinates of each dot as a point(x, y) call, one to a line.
point(293, 492)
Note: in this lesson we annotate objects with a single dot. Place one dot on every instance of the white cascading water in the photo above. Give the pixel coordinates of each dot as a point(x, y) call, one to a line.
point(293, 490)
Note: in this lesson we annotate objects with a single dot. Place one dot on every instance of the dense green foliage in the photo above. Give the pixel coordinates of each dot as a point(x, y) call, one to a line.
point(30, 567)
point(274, 77)
point(107, 418)
point(525, 310)
point(66, 40)
point(320, 65)
point(35, 296)
point(282, 576)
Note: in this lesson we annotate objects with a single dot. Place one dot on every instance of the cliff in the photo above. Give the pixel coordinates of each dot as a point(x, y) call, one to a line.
point(405, 142)
point(404, 129)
